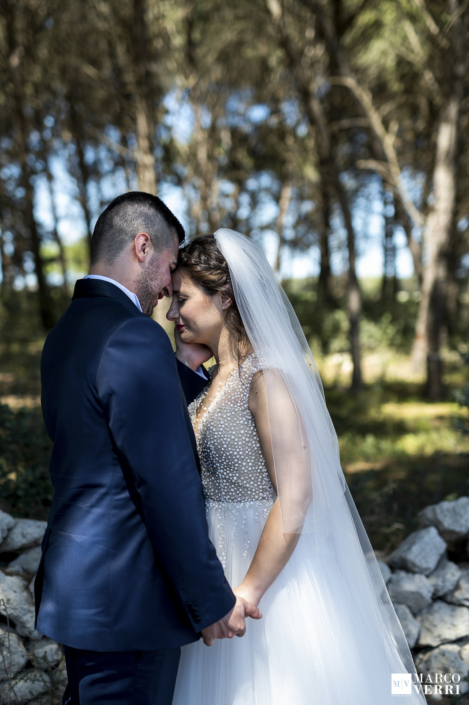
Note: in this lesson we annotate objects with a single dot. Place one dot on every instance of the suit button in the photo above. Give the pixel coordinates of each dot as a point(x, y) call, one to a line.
point(194, 612)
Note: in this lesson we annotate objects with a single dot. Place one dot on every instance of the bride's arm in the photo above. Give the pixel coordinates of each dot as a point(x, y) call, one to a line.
point(275, 547)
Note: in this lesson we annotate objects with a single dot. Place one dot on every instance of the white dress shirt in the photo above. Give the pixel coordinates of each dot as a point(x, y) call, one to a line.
point(133, 297)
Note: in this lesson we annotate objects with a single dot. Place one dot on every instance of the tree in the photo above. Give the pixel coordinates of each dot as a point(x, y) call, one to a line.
point(441, 220)
point(329, 168)
point(24, 29)
point(445, 81)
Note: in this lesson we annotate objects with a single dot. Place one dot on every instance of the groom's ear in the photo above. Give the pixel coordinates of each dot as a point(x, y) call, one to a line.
point(142, 246)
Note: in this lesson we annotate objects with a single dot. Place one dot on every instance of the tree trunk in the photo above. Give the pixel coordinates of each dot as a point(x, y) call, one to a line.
point(381, 142)
point(16, 54)
point(3, 287)
point(440, 221)
point(83, 175)
point(354, 299)
point(55, 233)
point(145, 157)
point(206, 143)
point(143, 103)
point(325, 289)
point(5, 260)
point(330, 168)
point(45, 300)
point(414, 246)
point(456, 250)
point(283, 204)
point(205, 137)
point(389, 282)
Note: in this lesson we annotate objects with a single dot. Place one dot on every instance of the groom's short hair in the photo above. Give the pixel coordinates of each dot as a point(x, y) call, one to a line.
point(128, 215)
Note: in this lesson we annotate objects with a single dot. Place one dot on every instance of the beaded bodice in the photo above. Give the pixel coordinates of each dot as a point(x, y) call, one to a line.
point(232, 464)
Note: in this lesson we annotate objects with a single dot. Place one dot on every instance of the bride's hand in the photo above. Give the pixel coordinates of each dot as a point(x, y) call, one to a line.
point(191, 354)
point(248, 595)
point(232, 624)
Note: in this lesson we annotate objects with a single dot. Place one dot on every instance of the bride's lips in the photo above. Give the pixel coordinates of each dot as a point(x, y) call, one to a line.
point(179, 326)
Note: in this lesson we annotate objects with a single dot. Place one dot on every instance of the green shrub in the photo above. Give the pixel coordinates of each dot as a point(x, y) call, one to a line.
point(24, 459)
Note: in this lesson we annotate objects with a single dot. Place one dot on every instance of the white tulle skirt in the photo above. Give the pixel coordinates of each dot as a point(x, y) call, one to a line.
point(312, 647)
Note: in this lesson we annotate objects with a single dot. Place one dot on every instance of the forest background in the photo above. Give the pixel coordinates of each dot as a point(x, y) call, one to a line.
point(332, 132)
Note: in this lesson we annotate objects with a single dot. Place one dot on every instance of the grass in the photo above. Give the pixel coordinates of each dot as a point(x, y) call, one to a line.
point(399, 452)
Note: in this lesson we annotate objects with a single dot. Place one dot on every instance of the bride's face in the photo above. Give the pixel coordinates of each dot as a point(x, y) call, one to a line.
point(198, 317)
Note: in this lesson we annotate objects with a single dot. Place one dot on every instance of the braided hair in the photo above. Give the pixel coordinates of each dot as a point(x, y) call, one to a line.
point(205, 265)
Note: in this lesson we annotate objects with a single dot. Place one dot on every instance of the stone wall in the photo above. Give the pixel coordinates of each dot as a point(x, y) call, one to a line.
point(32, 668)
point(427, 577)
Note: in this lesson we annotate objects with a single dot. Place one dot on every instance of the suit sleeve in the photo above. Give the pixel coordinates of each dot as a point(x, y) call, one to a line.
point(191, 382)
point(139, 388)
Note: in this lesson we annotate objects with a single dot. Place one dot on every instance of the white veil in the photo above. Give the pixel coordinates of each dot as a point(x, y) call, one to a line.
point(313, 494)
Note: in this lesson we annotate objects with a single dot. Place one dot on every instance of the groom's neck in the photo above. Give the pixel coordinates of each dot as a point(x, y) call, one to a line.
point(117, 272)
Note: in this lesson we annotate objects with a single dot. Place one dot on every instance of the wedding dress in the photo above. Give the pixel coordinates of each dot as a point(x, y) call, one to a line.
point(310, 646)
point(329, 634)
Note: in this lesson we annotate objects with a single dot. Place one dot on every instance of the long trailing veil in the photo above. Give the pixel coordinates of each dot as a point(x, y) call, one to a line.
point(313, 495)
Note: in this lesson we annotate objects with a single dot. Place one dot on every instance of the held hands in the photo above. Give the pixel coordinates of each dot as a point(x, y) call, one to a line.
point(190, 354)
point(232, 624)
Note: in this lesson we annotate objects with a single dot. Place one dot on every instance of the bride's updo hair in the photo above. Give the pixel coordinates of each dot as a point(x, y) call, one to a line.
point(203, 262)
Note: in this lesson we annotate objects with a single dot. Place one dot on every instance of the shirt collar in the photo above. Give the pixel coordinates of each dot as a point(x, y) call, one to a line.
point(133, 297)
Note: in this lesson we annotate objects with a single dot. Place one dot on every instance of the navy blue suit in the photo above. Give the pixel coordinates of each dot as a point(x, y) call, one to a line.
point(127, 563)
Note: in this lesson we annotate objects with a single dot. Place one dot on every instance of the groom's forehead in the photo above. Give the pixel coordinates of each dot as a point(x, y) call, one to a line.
point(176, 281)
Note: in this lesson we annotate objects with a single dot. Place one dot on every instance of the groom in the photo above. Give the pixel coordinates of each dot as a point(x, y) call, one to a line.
point(128, 574)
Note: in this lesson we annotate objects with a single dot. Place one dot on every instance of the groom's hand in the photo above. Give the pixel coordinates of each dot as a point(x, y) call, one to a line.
point(232, 624)
point(190, 354)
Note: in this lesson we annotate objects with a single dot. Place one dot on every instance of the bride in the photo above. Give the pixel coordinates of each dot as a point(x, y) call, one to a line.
point(279, 511)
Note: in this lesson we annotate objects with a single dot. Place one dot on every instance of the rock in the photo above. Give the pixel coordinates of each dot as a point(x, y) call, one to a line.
point(25, 533)
point(464, 654)
point(17, 604)
point(450, 518)
point(13, 655)
point(31, 587)
point(419, 552)
point(445, 577)
point(442, 660)
point(6, 523)
point(26, 563)
point(409, 624)
point(460, 594)
point(385, 571)
point(45, 654)
point(411, 589)
point(441, 623)
point(27, 685)
point(59, 676)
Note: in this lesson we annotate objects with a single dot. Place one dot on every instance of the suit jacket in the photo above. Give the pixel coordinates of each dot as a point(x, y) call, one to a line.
point(127, 563)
